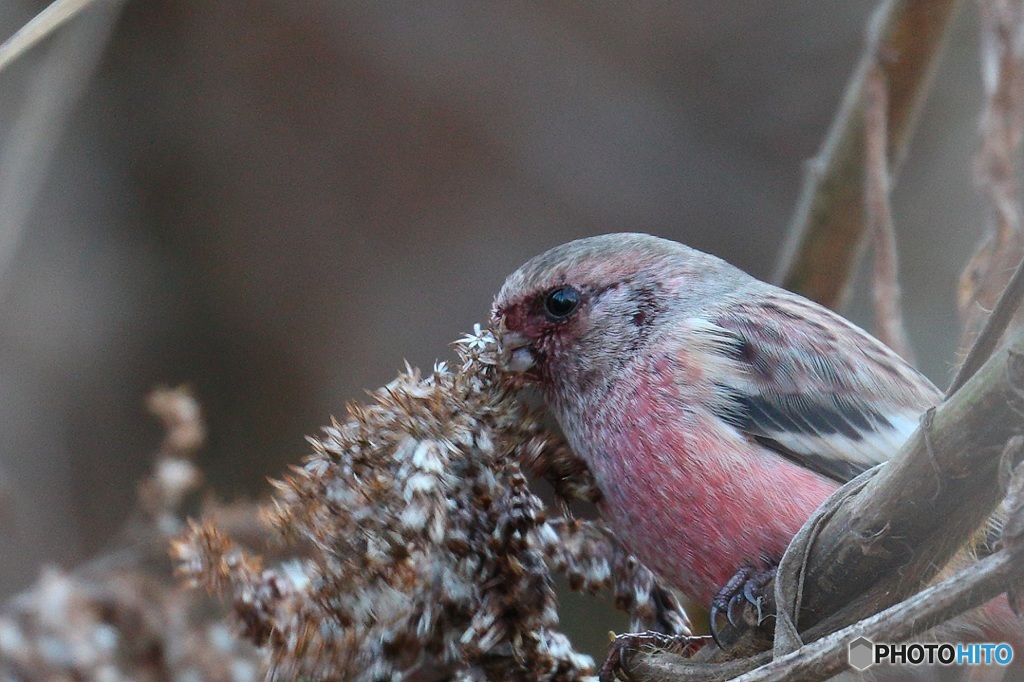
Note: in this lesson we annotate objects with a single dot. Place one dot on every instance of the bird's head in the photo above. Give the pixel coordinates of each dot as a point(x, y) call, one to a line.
point(570, 318)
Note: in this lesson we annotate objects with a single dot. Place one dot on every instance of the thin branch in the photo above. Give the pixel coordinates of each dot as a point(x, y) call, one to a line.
point(39, 27)
point(969, 588)
point(827, 230)
point(995, 327)
point(827, 656)
point(47, 106)
point(997, 164)
point(878, 214)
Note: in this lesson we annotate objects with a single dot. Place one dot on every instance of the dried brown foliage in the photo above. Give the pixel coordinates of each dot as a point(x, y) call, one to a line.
point(420, 551)
point(123, 616)
point(409, 547)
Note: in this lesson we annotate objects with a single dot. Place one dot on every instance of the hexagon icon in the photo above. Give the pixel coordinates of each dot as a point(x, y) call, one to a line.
point(862, 653)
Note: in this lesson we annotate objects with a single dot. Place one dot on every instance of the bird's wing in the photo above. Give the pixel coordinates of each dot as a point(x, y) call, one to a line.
point(812, 386)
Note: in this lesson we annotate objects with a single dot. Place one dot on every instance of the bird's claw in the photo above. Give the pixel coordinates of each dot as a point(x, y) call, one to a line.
point(625, 645)
point(746, 587)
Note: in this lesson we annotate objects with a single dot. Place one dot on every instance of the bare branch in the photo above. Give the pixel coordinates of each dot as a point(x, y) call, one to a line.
point(878, 214)
point(997, 164)
point(827, 656)
point(51, 97)
point(826, 233)
point(969, 588)
point(1006, 309)
point(39, 27)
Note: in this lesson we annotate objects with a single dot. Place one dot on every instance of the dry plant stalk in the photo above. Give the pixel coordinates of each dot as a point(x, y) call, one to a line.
point(421, 552)
point(878, 215)
point(997, 165)
point(827, 229)
point(47, 103)
point(415, 551)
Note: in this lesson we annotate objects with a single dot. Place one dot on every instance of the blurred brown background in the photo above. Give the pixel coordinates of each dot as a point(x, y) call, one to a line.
point(278, 201)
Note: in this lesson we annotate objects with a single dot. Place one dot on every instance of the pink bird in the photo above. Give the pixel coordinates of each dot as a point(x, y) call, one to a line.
point(715, 411)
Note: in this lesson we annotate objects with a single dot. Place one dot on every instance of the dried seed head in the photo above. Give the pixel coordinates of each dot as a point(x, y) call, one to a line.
point(425, 551)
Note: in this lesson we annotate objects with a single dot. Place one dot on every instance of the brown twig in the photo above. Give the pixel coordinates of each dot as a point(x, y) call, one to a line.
point(997, 164)
point(827, 656)
point(826, 233)
point(47, 105)
point(969, 588)
point(878, 215)
point(996, 324)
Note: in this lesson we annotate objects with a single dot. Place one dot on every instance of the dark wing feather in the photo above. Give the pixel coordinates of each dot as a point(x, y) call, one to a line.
point(769, 423)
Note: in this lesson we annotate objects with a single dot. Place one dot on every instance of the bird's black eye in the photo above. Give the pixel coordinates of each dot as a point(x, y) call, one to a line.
point(561, 302)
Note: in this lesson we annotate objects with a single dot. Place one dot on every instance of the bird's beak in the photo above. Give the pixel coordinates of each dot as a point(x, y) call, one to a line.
point(516, 352)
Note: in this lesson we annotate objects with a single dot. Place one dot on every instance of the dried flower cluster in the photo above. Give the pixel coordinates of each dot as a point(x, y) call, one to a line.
point(122, 616)
point(424, 555)
point(593, 560)
point(122, 624)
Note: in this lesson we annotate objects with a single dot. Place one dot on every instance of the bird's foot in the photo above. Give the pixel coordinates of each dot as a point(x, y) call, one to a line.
point(746, 587)
point(625, 645)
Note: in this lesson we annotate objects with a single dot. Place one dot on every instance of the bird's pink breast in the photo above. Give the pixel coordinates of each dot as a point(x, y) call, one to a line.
point(691, 497)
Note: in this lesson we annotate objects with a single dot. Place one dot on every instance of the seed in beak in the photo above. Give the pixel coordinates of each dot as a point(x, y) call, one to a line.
point(517, 352)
